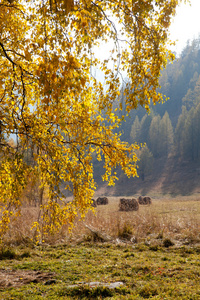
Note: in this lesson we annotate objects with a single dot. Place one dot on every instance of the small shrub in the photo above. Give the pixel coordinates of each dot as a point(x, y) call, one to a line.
point(197, 250)
point(7, 254)
point(148, 291)
point(154, 248)
point(126, 232)
point(160, 236)
point(141, 247)
point(165, 258)
point(167, 243)
point(25, 254)
point(85, 291)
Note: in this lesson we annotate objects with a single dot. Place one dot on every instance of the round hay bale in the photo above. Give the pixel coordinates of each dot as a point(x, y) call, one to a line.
point(147, 200)
point(141, 200)
point(93, 203)
point(102, 201)
point(128, 204)
point(144, 200)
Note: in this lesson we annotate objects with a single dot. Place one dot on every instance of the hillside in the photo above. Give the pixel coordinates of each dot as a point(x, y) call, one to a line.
point(170, 163)
point(172, 178)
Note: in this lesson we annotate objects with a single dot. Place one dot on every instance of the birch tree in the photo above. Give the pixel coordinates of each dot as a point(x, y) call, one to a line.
point(52, 103)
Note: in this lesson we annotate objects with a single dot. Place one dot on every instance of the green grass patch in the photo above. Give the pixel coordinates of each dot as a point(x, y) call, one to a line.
point(64, 272)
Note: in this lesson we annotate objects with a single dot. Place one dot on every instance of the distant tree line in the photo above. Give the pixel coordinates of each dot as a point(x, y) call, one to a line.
point(173, 127)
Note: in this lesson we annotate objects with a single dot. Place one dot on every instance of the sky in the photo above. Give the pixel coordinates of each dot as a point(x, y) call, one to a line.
point(186, 24)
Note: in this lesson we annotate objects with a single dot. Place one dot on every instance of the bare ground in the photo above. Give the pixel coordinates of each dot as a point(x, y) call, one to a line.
point(17, 278)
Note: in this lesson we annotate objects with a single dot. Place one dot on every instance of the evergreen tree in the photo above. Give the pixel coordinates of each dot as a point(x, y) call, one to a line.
point(193, 95)
point(135, 130)
point(188, 137)
point(154, 134)
point(145, 126)
point(146, 162)
point(179, 132)
point(179, 80)
point(166, 135)
point(192, 134)
point(197, 132)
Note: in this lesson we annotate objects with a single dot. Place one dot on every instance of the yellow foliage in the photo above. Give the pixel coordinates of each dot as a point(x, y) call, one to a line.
point(57, 110)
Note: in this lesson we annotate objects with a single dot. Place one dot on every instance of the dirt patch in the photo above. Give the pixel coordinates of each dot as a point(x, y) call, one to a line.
point(16, 278)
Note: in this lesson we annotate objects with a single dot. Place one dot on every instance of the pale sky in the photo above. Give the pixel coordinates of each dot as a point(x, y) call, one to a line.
point(186, 24)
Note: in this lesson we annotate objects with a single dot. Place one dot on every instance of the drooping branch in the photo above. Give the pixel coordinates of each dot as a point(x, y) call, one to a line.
point(6, 55)
point(12, 61)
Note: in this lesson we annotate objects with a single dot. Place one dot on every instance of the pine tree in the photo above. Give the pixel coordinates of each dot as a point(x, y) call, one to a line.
point(188, 137)
point(135, 130)
point(146, 162)
point(154, 134)
point(192, 134)
point(145, 126)
point(166, 135)
point(179, 132)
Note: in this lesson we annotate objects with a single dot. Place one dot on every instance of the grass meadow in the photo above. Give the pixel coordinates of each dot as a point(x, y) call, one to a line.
point(153, 253)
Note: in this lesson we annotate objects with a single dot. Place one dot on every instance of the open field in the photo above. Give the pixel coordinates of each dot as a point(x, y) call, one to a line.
point(153, 253)
point(176, 218)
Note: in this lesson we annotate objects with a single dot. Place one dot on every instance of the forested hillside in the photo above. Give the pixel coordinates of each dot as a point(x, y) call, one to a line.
point(170, 161)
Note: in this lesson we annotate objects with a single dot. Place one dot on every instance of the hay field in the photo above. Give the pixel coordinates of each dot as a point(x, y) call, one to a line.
point(177, 218)
point(174, 218)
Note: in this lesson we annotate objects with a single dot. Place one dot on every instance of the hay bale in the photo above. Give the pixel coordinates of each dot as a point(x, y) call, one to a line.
point(144, 200)
point(128, 204)
point(147, 200)
point(93, 203)
point(102, 201)
point(140, 200)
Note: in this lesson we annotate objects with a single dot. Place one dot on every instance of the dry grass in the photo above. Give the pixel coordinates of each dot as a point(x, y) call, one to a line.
point(175, 218)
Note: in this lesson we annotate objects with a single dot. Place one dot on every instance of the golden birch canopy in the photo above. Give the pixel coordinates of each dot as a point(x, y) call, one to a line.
point(54, 107)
